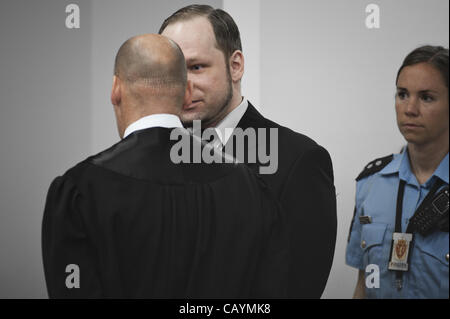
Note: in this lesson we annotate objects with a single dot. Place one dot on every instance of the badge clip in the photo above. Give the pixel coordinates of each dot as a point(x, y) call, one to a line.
point(401, 245)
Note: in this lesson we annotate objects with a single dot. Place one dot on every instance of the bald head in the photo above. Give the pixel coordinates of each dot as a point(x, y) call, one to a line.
point(153, 65)
point(150, 77)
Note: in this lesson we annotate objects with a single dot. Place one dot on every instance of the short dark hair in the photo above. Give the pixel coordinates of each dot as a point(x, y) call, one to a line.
point(228, 38)
point(437, 56)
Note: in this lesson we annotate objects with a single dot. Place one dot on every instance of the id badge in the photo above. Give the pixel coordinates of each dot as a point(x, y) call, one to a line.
point(401, 245)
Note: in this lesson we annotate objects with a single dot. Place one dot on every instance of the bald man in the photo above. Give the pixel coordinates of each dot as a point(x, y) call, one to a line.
point(130, 223)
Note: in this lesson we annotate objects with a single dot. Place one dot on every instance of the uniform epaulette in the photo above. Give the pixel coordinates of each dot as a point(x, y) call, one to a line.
point(375, 166)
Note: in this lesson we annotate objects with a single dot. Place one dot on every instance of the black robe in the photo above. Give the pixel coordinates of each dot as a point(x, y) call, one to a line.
point(139, 226)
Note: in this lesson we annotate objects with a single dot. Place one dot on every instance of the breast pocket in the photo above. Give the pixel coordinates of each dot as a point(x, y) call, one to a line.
point(372, 236)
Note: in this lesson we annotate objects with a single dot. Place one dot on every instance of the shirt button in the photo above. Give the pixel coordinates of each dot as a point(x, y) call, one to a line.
point(446, 257)
point(363, 244)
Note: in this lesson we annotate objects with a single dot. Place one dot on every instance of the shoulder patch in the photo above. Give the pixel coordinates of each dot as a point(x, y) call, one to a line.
point(375, 166)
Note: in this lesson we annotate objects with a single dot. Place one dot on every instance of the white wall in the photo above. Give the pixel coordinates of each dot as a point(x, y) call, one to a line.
point(323, 73)
point(247, 15)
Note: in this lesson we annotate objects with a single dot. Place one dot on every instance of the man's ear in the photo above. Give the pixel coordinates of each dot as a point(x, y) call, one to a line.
point(116, 94)
point(237, 66)
point(188, 93)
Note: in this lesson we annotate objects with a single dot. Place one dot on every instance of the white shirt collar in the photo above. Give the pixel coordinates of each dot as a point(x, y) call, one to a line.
point(153, 120)
point(228, 124)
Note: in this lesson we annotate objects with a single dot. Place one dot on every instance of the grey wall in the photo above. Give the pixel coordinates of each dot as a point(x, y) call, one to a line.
point(323, 73)
point(45, 126)
point(54, 111)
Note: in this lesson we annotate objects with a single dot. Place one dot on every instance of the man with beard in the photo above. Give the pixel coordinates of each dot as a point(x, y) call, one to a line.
point(303, 182)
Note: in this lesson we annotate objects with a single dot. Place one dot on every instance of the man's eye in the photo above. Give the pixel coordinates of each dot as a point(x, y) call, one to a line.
point(196, 67)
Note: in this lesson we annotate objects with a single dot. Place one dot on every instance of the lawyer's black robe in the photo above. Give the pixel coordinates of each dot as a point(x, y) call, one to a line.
point(139, 226)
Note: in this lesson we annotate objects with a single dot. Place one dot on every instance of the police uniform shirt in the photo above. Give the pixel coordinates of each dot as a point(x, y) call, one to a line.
point(370, 243)
point(130, 223)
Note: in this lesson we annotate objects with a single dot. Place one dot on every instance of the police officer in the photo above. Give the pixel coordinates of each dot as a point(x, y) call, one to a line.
point(399, 234)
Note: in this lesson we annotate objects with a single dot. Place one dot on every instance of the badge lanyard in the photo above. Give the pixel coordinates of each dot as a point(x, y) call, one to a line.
point(401, 242)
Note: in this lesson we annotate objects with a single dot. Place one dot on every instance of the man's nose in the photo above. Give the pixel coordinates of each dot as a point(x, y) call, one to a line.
point(191, 78)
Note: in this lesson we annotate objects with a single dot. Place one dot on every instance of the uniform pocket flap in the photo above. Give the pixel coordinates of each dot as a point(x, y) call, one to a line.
point(372, 234)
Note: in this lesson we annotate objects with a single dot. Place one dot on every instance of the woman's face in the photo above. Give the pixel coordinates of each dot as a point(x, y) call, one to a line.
point(421, 104)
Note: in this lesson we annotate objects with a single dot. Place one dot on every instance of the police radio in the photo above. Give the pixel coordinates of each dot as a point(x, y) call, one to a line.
point(431, 215)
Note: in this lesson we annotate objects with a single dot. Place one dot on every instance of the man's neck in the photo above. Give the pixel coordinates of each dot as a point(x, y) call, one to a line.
point(234, 103)
point(140, 111)
point(426, 158)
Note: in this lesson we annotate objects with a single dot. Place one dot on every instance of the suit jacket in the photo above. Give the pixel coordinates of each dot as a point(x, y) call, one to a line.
point(137, 225)
point(304, 186)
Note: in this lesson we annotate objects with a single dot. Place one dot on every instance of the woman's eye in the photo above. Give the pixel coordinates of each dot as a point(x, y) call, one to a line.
point(427, 98)
point(401, 95)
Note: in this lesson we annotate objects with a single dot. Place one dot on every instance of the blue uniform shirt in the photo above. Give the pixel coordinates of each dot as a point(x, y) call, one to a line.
point(376, 196)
